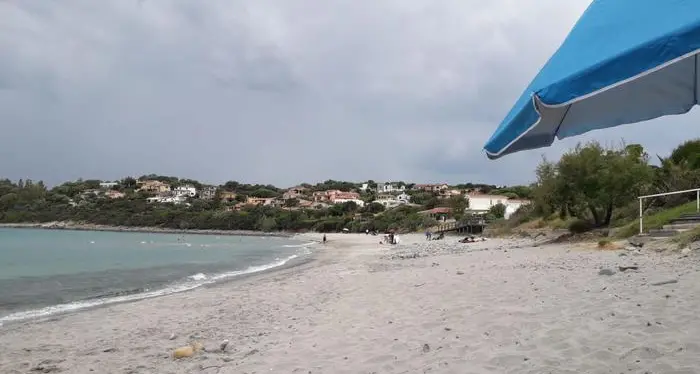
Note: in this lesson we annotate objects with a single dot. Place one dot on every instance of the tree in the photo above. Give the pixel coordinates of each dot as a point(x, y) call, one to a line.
point(458, 204)
point(498, 210)
point(687, 153)
point(263, 193)
point(290, 203)
point(374, 208)
point(589, 182)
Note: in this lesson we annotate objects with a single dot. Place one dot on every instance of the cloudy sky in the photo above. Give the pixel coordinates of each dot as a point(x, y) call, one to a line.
point(278, 91)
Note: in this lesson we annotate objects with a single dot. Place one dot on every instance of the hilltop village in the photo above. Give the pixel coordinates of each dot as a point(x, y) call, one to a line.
point(171, 202)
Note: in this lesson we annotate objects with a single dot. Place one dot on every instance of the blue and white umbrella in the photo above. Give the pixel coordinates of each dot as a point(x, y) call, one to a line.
point(625, 61)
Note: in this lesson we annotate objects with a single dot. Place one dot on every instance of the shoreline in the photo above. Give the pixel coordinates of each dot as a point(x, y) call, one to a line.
point(149, 230)
point(299, 261)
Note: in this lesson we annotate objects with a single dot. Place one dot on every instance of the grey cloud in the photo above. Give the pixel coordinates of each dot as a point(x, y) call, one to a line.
point(277, 91)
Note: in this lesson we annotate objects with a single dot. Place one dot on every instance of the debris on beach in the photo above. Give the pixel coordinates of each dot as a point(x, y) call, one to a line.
point(188, 350)
point(670, 281)
point(607, 272)
point(625, 268)
point(223, 345)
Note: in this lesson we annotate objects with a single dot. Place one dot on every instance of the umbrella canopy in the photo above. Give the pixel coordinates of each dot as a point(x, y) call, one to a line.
point(624, 61)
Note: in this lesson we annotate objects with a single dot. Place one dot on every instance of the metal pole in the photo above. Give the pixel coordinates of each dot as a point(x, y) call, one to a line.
point(641, 224)
point(697, 200)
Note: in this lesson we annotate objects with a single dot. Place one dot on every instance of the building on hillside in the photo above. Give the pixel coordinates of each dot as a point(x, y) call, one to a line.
point(389, 188)
point(185, 191)
point(341, 200)
point(304, 204)
point(108, 185)
point(439, 213)
point(512, 206)
point(431, 187)
point(295, 193)
point(167, 199)
point(265, 201)
point(482, 203)
point(388, 203)
point(391, 201)
point(331, 195)
point(403, 197)
point(153, 186)
point(364, 187)
point(90, 193)
point(448, 193)
point(208, 192)
point(227, 195)
point(112, 194)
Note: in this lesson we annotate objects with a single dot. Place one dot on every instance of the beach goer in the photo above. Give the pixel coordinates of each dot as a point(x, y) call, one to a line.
point(324, 238)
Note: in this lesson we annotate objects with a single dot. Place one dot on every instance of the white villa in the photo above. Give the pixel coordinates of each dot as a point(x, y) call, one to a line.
point(404, 198)
point(107, 185)
point(481, 203)
point(389, 188)
point(359, 202)
point(394, 201)
point(167, 199)
point(185, 191)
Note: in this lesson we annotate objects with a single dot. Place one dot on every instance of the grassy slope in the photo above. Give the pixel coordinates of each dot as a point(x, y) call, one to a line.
point(655, 221)
point(626, 230)
point(688, 237)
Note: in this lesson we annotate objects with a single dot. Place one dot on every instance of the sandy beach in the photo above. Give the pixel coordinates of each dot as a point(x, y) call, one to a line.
point(498, 306)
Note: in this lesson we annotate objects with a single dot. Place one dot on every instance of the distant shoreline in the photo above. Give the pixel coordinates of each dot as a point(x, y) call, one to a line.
point(150, 230)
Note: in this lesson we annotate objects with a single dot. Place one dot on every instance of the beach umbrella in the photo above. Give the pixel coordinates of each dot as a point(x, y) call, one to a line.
point(624, 61)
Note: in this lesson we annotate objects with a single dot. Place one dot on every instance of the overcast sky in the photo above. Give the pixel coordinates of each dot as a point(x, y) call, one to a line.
point(279, 91)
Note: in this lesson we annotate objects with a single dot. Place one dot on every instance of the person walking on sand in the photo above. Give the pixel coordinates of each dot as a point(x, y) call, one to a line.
point(324, 238)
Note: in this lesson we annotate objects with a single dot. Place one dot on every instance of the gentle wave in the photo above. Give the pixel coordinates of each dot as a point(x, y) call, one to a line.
point(191, 282)
point(298, 245)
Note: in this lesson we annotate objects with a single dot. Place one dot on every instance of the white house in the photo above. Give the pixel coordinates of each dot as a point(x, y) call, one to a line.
point(388, 203)
point(404, 198)
point(167, 199)
point(359, 202)
point(481, 203)
point(185, 191)
point(107, 185)
point(512, 205)
point(389, 188)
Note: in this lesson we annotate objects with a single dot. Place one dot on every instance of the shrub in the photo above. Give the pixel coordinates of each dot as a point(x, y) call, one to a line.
point(580, 226)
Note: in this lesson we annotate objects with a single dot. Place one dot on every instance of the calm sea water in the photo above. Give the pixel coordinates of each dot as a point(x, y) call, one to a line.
point(43, 272)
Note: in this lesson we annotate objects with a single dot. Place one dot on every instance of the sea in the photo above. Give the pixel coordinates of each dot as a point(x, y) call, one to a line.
point(46, 272)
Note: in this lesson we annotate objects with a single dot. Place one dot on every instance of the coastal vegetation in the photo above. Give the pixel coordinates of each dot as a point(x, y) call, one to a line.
point(594, 187)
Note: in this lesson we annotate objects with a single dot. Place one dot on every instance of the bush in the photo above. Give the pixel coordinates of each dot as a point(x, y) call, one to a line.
point(580, 226)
